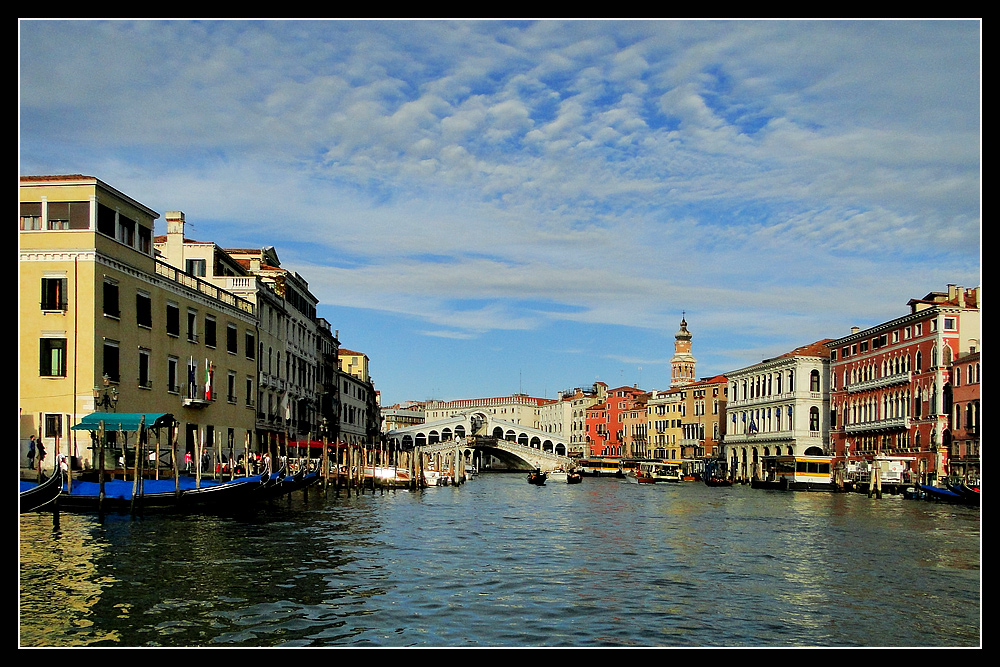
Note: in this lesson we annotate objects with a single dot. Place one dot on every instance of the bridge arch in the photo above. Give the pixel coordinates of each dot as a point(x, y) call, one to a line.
point(519, 445)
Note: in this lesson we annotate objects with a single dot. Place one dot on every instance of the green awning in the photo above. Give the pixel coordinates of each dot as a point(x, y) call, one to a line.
point(123, 421)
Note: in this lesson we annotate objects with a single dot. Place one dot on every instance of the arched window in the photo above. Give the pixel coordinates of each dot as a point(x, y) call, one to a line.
point(814, 418)
point(814, 381)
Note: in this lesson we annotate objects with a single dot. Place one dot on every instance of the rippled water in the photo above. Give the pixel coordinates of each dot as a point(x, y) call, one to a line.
point(499, 562)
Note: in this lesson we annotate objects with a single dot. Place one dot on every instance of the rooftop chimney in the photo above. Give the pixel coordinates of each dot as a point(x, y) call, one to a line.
point(173, 251)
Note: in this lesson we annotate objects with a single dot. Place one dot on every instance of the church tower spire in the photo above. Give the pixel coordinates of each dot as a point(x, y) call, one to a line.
point(682, 363)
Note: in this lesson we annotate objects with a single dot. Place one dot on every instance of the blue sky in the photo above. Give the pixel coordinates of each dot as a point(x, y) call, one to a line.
point(486, 207)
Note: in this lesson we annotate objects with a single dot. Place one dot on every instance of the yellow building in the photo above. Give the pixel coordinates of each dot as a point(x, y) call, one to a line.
point(106, 326)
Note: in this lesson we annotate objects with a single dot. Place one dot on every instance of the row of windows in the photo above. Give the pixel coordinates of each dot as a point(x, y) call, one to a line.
point(54, 298)
point(52, 363)
point(75, 215)
point(772, 384)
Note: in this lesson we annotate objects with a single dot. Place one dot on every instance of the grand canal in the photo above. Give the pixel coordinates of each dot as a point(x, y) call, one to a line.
point(497, 562)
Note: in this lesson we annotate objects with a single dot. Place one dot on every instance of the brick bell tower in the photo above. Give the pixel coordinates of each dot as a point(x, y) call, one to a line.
point(682, 363)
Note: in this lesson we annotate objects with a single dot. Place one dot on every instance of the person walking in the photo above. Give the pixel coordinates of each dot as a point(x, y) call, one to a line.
point(41, 454)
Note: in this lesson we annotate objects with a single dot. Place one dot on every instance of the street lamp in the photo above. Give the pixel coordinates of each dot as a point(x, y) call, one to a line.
point(106, 396)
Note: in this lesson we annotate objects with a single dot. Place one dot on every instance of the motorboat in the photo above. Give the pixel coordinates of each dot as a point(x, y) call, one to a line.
point(558, 475)
point(639, 477)
point(436, 477)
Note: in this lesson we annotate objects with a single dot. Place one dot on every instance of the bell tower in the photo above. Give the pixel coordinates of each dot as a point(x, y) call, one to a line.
point(682, 363)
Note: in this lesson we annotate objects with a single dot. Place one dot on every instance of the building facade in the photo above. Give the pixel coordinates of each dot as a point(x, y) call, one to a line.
point(566, 417)
point(779, 407)
point(106, 325)
point(298, 337)
point(516, 409)
point(360, 416)
point(891, 384)
point(606, 429)
point(963, 456)
point(665, 413)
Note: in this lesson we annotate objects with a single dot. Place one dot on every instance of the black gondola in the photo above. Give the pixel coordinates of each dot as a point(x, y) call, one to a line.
point(158, 494)
point(537, 477)
point(35, 496)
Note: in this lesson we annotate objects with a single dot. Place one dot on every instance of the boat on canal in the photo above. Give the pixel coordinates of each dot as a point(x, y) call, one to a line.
point(557, 475)
point(39, 495)
point(601, 466)
point(186, 492)
point(536, 477)
point(663, 471)
point(931, 492)
point(574, 477)
point(434, 477)
point(639, 476)
point(969, 492)
point(795, 473)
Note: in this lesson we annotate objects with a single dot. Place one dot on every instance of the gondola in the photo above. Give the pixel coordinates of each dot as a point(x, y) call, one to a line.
point(718, 481)
point(35, 496)
point(159, 494)
point(937, 493)
point(573, 478)
point(537, 477)
point(970, 494)
point(291, 483)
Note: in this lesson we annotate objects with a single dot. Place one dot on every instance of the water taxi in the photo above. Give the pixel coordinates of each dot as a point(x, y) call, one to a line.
point(796, 473)
point(601, 466)
point(662, 471)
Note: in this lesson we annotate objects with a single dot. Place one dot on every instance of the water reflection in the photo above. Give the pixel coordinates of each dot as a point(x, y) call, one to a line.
point(60, 583)
point(499, 562)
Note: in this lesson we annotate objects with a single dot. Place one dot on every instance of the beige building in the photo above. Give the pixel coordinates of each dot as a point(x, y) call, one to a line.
point(566, 417)
point(402, 415)
point(360, 416)
point(665, 412)
point(107, 326)
point(354, 363)
point(517, 409)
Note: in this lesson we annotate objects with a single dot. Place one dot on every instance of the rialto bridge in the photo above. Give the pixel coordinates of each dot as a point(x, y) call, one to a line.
point(475, 431)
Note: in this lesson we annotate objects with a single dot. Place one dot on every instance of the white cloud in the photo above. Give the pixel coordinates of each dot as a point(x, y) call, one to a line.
point(617, 167)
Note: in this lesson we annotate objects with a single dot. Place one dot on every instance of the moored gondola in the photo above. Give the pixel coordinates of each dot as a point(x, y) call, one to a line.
point(35, 496)
point(121, 496)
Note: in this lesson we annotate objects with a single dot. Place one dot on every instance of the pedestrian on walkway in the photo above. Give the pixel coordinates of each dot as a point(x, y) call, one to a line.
point(31, 452)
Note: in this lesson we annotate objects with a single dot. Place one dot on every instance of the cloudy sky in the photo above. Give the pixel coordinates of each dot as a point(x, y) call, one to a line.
point(492, 207)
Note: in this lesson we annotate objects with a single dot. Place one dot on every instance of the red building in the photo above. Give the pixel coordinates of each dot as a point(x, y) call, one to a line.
point(891, 385)
point(606, 426)
point(963, 454)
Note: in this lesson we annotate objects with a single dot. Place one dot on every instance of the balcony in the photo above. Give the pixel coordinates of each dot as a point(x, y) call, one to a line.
point(879, 425)
point(879, 383)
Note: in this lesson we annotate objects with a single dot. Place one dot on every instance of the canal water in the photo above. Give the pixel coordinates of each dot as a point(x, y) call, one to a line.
point(498, 562)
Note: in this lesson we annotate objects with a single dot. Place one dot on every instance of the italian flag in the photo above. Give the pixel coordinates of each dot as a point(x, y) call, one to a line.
point(208, 381)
